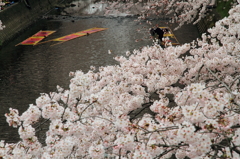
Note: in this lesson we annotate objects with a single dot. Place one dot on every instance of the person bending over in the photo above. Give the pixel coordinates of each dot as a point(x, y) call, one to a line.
point(157, 31)
point(160, 32)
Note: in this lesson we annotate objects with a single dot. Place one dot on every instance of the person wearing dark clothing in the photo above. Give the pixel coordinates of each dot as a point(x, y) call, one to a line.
point(157, 31)
point(160, 33)
point(152, 32)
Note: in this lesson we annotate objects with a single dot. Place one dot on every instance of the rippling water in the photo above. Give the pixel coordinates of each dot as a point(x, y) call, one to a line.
point(27, 71)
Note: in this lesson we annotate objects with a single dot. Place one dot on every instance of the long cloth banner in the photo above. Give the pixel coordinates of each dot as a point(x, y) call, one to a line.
point(75, 35)
point(36, 38)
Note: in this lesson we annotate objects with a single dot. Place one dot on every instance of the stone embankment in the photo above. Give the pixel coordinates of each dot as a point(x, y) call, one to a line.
point(22, 14)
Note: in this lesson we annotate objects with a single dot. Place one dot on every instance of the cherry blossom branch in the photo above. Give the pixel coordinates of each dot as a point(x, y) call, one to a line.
point(164, 153)
point(80, 116)
point(65, 106)
point(173, 146)
point(234, 148)
point(98, 117)
point(138, 113)
point(42, 124)
point(197, 77)
point(224, 84)
point(236, 78)
point(162, 129)
point(119, 153)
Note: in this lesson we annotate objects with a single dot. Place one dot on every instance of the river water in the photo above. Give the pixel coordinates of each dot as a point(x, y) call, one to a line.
point(27, 71)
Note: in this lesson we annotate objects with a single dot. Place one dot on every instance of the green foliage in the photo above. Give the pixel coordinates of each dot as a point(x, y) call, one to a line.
point(223, 6)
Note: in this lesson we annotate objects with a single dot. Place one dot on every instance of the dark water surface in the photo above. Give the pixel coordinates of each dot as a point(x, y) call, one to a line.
point(27, 71)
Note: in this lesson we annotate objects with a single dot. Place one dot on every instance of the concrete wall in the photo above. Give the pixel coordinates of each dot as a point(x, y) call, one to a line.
point(18, 16)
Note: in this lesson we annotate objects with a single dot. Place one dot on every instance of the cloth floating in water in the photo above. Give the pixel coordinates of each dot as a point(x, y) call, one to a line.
point(170, 36)
point(44, 33)
point(92, 30)
point(75, 35)
point(36, 38)
point(31, 41)
point(69, 37)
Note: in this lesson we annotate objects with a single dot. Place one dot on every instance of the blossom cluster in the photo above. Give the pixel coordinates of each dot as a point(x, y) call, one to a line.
point(178, 11)
point(181, 101)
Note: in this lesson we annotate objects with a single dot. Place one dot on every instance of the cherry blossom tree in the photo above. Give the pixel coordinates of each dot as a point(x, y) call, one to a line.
point(182, 12)
point(178, 101)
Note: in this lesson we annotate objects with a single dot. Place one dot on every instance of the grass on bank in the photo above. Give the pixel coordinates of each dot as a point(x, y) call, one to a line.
point(223, 6)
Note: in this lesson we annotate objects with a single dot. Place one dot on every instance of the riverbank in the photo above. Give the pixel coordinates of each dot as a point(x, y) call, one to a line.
point(19, 16)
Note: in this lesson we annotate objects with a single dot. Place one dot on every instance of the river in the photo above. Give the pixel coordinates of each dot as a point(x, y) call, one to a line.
point(26, 71)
